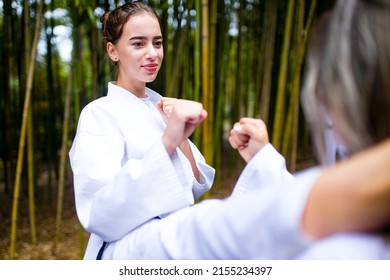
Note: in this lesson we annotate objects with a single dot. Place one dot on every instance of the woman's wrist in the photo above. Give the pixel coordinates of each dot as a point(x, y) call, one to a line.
point(169, 147)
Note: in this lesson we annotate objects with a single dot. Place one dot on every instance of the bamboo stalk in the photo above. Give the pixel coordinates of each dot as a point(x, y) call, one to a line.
point(281, 92)
point(63, 155)
point(297, 80)
point(220, 101)
point(31, 187)
point(293, 81)
point(212, 61)
point(52, 72)
point(94, 55)
point(209, 134)
point(5, 95)
point(30, 138)
point(23, 131)
point(168, 50)
point(290, 135)
point(207, 128)
point(197, 63)
point(64, 145)
point(186, 87)
point(237, 97)
point(270, 20)
point(174, 76)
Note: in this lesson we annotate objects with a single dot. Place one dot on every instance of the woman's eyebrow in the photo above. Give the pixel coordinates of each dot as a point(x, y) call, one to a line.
point(144, 38)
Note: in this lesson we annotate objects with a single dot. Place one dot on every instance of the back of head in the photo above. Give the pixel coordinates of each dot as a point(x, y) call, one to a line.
point(348, 78)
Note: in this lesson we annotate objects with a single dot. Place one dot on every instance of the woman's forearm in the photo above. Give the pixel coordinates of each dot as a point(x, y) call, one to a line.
point(353, 195)
point(185, 147)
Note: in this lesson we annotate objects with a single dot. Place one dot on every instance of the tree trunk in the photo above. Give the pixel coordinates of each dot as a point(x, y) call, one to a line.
point(207, 133)
point(5, 100)
point(23, 130)
point(297, 80)
point(270, 20)
point(283, 70)
point(30, 130)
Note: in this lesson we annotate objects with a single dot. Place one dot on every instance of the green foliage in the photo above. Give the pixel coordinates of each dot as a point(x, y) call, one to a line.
point(236, 71)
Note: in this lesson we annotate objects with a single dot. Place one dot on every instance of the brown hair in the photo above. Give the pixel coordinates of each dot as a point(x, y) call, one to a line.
point(113, 21)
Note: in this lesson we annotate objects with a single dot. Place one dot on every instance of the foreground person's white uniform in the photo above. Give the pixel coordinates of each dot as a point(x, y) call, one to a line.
point(123, 175)
point(260, 220)
point(349, 246)
point(130, 193)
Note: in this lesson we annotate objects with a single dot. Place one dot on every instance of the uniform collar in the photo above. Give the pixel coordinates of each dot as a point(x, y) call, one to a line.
point(119, 92)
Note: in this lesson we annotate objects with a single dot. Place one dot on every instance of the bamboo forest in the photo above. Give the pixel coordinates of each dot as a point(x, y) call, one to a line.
point(239, 58)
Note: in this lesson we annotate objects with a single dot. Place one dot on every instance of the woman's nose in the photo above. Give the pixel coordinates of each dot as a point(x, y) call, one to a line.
point(151, 52)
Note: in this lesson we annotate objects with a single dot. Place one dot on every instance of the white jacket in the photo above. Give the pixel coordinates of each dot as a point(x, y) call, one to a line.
point(123, 175)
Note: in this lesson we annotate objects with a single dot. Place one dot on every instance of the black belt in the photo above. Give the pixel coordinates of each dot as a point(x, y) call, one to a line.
point(101, 250)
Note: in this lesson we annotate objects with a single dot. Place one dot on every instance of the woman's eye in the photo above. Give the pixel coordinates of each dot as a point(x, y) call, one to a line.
point(137, 44)
point(158, 43)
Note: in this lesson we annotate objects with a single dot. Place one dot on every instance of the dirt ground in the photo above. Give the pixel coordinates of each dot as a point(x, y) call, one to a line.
point(68, 247)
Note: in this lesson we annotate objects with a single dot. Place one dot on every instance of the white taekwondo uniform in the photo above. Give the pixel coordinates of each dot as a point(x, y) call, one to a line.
point(261, 220)
point(123, 176)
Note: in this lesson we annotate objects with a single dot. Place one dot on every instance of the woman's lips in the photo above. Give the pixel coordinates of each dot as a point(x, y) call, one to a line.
point(151, 67)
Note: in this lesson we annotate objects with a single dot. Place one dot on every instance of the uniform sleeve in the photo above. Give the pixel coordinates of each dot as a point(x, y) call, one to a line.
point(113, 197)
point(349, 246)
point(266, 169)
point(260, 224)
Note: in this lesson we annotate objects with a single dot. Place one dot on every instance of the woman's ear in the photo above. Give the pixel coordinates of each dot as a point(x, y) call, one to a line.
point(110, 47)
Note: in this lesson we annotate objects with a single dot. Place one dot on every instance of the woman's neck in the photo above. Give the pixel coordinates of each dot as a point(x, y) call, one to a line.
point(136, 88)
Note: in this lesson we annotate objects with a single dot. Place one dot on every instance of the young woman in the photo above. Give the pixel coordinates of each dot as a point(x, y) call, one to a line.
point(128, 165)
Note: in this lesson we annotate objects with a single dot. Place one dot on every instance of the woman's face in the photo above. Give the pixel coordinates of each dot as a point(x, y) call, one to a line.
point(139, 51)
